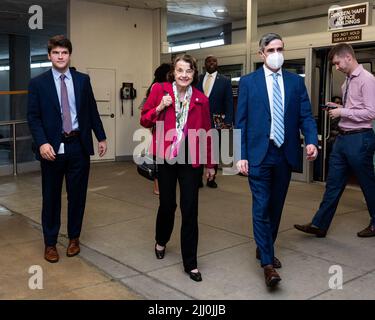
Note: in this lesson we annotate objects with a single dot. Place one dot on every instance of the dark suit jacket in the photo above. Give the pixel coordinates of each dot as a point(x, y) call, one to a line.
point(221, 97)
point(254, 117)
point(44, 112)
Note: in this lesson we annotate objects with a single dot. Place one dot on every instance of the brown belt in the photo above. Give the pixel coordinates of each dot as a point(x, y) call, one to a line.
point(71, 134)
point(342, 132)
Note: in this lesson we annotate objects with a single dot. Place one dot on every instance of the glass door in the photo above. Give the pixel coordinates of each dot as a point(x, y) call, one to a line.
point(327, 87)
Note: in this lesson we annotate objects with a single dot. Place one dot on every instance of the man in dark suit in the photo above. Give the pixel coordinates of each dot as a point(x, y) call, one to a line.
point(273, 107)
point(61, 114)
point(218, 89)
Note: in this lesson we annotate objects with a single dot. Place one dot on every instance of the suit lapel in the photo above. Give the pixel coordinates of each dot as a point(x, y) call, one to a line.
point(77, 89)
point(168, 88)
point(51, 88)
point(215, 85)
point(262, 86)
point(194, 100)
point(200, 82)
point(287, 90)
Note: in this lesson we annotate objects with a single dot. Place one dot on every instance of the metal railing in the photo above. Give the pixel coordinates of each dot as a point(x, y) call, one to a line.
point(13, 123)
point(10, 93)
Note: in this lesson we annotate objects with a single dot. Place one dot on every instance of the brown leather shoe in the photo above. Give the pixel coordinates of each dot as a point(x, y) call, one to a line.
point(271, 277)
point(276, 262)
point(51, 254)
point(367, 232)
point(73, 247)
point(309, 228)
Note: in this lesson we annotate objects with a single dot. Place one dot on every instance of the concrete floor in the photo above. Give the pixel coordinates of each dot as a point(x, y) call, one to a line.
point(118, 262)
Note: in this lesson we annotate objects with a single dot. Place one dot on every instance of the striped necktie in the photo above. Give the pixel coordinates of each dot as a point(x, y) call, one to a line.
point(278, 113)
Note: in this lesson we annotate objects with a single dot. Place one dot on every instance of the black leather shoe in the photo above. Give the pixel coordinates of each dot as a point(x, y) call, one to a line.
point(211, 184)
point(308, 228)
point(276, 262)
point(367, 232)
point(196, 276)
point(159, 253)
point(201, 184)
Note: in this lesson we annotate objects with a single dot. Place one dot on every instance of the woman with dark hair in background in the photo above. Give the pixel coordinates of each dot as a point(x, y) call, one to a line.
point(160, 75)
point(181, 107)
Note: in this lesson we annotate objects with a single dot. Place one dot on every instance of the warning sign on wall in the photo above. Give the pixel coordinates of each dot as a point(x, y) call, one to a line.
point(347, 36)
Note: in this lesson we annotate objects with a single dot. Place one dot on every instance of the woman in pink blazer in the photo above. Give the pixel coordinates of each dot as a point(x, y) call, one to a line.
point(180, 115)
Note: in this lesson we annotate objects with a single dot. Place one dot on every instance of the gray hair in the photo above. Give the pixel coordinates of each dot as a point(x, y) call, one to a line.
point(267, 38)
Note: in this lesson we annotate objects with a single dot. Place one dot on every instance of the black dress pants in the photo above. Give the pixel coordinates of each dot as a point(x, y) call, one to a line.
point(74, 165)
point(189, 179)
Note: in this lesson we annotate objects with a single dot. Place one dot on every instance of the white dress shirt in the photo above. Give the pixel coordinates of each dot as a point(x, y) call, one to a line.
point(269, 82)
point(212, 82)
point(71, 96)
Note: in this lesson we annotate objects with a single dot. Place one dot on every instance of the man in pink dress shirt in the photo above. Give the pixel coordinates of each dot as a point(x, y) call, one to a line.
point(354, 147)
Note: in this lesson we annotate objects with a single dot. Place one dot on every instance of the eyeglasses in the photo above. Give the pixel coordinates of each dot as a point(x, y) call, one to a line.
point(188, 71)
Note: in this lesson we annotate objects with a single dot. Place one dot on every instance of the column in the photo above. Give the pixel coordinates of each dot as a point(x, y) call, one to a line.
point(19, 73)
point(251, 30)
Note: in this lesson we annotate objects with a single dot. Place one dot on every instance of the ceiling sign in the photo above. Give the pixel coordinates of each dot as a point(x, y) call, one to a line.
point(342, 17)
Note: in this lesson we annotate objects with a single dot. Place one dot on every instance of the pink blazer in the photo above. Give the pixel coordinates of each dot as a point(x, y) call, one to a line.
point(198, 118)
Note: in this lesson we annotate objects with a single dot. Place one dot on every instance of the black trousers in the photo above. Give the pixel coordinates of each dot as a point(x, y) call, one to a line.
point(189, 179)
point(74, 164)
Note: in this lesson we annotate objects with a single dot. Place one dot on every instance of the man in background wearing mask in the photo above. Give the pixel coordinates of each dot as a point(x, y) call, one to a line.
point(273, 106)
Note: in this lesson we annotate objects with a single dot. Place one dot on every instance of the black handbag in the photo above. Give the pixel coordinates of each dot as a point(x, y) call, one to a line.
point(148, 168)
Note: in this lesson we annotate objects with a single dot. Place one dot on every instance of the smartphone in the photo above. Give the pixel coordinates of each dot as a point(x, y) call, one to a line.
point(324, 106)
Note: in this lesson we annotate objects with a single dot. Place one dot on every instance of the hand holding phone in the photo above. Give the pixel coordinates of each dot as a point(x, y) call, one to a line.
point(330, 107)
point(333, 109)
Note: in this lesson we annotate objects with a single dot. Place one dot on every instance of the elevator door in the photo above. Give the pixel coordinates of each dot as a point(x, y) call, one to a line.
point(327, 86)
point(104, 84)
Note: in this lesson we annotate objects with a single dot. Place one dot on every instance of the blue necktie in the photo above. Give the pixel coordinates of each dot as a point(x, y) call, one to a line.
point(278, 113)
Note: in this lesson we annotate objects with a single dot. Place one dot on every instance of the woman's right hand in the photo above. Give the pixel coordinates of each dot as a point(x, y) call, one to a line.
point(166, 101)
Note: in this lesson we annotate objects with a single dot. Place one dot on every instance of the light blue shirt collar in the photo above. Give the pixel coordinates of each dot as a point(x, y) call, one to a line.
point(57, 74)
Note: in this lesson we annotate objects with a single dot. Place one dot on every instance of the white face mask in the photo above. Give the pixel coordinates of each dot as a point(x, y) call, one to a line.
point(275, 60)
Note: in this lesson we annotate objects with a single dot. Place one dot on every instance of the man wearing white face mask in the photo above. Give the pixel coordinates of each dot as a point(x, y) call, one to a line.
point(273, 106)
